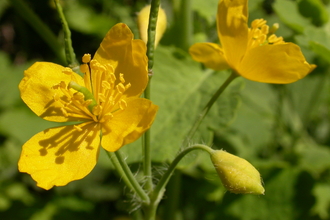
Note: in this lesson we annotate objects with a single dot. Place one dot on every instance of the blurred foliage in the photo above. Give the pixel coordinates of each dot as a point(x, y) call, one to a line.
point(282, 129)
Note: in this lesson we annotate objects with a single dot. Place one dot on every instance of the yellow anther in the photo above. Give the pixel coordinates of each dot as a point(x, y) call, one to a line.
point(122, 104)
point(256, 34)
point(265, 29)
point(67, 71)
point(128, 85)
point(78, 96)
point(120, 88)
point(62, 85)
point(275, 40)
point(121, 78)
point(258, 23)
point(86, 58)
point(106, 117)
point(55, 86)
point(105, 85)
point(77, 128)
point(97, 110)
point(84, 68)
point(96, 65)
point(262, 39)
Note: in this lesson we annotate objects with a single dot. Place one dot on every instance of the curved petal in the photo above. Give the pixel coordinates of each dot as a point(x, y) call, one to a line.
point(127, 56)
point(57, 156)
point(210, 54)
point(232, 29)
point(128, 125)
point(36, 89)
point(282, 63)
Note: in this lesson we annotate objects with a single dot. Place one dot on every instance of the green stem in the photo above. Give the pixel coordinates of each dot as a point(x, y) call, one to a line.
point(186, 24)
point(152, 32)
point(173, 197)
point(159, 189)
point(69, 52)
point(127, 175)
point(40, 27)
point(207, 108)
point(150, 54)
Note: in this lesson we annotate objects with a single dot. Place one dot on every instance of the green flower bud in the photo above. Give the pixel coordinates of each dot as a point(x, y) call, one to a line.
point(237, 174)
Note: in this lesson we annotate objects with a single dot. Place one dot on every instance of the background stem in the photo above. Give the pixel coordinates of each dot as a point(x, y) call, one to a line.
point(69, 52)
point(40, 27)
point(207, 108)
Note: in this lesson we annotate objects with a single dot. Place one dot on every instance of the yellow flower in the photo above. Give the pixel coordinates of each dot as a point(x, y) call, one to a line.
point(104, 105)
point(254, 53)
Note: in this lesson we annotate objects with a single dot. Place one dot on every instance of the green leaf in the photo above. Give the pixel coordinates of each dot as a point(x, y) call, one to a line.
point(289, 14)
point(313, 158)
point(10, 76)
point(321, 191)
point(22, 124)
point(206, 9)
point(315, 10)
point(318, 39)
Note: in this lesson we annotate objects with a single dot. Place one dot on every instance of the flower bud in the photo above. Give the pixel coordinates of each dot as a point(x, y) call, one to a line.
point(143, 22)
point(237, 174)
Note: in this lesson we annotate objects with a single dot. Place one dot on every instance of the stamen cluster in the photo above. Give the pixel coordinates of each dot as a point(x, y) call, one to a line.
point(260, 34)
point(99, 98)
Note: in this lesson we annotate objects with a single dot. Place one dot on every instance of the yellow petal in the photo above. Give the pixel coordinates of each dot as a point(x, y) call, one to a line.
point(57, 156)
point(143, 23)
point(127, 56)
point(36, 89)
point(128, 125)
point(232, 29)
point(210, 54)
point(282, 63)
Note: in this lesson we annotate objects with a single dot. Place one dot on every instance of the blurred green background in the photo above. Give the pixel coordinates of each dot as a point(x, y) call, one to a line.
point(281, 129)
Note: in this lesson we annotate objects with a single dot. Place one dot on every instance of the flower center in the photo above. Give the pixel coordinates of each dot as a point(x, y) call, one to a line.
point(260, 34)
point(99, 98)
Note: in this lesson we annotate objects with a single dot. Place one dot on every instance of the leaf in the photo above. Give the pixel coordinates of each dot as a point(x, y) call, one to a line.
point(321, 191)
point(318, 39)
point(289, 14)
point(10, 77)
point(313, 158)
point(206, 9)
point(22, 124)
point(315, 10)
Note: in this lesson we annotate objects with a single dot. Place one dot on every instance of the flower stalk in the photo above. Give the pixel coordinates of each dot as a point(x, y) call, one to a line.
point(207, 108)
point(39, 26)
point(150, 54)
point(69, 52)
point(127, 175)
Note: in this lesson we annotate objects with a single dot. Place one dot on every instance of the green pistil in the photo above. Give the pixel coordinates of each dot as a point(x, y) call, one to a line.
point(87, 94)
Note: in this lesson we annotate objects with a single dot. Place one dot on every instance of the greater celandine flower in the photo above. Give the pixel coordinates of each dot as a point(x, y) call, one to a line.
point(255, 53)
point(104, 106)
